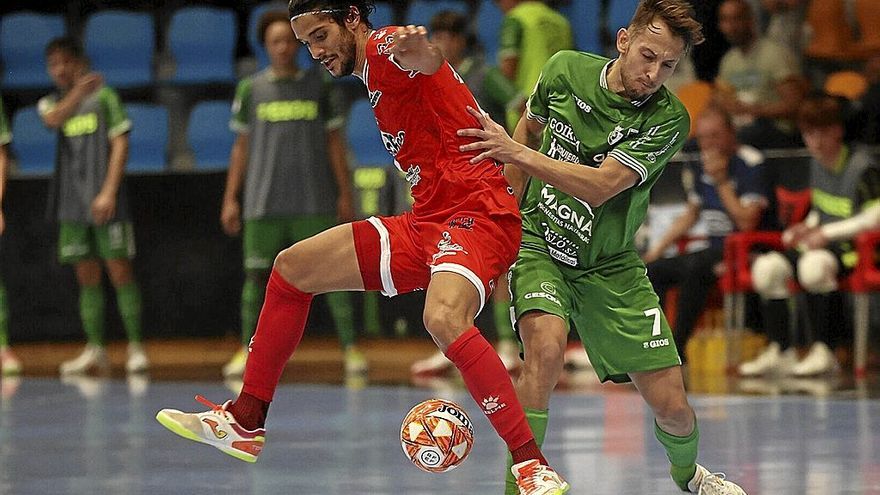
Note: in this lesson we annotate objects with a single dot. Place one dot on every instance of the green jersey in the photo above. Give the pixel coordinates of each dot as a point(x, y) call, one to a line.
point(585, 123)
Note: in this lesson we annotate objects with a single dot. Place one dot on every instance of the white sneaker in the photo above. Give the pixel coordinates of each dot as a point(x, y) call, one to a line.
point(576, 358)
point(137, 361)
point(436, 364)
point(818, 361)
point(235, 366)
point(706, 483)
point(534, 478)
point(771, 361)
point(355, 361)
point(216, 427)
point(93, 357)
point(9, 364)
point(508, 351)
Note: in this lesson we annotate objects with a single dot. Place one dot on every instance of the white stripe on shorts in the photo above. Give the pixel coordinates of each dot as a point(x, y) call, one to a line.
point(466, 273)
point(388, 288)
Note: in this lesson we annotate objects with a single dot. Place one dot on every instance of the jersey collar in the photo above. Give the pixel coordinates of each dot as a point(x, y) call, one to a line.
point(603, 82)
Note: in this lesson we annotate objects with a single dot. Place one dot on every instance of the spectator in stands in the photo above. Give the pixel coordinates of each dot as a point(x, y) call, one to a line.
point(496, 95)
point(726, 190)
point(89, 201)
point(9, 364)
point(531, 33)
point(759, 81)
point(290, 160)
point(785, 23)
point(844, 179)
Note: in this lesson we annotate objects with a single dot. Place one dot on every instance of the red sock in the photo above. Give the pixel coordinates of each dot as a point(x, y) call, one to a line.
point(490, 386)
point(249, 411)
point(279, 330)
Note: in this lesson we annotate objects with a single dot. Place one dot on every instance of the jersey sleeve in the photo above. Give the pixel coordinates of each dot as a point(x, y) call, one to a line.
point(240, 120)
point(868, 189)
point(332, 105)
point(114, 112)
point(509, 38)
point(5, 135)
point(663, 134)
point(538, 105)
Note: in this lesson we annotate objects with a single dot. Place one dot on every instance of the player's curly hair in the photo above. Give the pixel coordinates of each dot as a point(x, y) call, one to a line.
point(679, 15)
point(338, 10)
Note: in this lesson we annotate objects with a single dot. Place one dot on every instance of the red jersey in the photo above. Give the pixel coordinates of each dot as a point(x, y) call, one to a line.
point(418, 116)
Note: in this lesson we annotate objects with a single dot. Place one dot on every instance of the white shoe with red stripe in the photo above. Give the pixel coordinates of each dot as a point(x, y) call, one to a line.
point(216, 427)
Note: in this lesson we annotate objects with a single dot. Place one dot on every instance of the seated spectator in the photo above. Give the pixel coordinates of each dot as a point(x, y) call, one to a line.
point(727, 191)
point(759, 81)
point(785, 23)
point(844, 179)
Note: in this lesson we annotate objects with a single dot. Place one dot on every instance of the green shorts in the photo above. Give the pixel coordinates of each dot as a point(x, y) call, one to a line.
point(265, 237)
point(613, 308)
point(81, 241)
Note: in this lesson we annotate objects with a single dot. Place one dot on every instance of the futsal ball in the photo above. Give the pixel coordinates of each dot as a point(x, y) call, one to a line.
point(436, 435)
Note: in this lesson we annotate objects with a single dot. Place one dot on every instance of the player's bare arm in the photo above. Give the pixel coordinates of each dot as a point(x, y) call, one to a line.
point(85, 85)
point(412, 50)
point(527, 132)
point(338, 158)
point(593, 185)
point(104, 204)
point(230, 212)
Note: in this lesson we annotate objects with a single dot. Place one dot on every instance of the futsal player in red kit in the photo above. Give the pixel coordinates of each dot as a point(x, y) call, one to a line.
point(462, 233)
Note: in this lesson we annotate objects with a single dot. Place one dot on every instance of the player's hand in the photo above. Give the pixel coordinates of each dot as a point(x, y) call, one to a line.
point(814, 239)
point(408, 40)
point(103, 208)
point(345, 208)
point(651, 255)
point(492, 140)
point(230, 218)
point(792, 236)
point(88, 83)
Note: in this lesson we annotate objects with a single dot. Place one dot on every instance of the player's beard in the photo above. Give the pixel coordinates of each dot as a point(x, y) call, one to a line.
point(633, 89)
point(347, 54)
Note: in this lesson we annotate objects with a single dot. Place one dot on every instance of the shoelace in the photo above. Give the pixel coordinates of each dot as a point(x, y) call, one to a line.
point(532, 475)
point(716, 483)
point(215, 408)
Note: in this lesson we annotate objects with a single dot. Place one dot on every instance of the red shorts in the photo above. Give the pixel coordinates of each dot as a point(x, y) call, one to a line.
point(399, 254)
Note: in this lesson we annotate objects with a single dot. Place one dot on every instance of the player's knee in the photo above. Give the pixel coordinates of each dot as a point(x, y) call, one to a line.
point(770, 275)
point(817, 271)
point(288, 264)
point(544, 357)
point(676, 413)
point(444, 322)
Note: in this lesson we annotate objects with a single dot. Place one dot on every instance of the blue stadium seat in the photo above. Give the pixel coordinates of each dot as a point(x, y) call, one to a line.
point(209, 135)
point(148, 138)
point(420, 12)
point(33, 143)
point(489, 18)
point(588, 35)
point(382, 16)
point(120, 45)
point(23, 38)
point(364, 138)
point(620, 12)
point(202, 43)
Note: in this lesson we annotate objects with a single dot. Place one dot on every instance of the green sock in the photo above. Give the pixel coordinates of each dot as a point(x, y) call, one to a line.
point(501, 313)
point(128, 298)
point(682, 454)
point(538, 423)
point(91, 313)
point(343, 317)
point(4, 315)
point(252, 294)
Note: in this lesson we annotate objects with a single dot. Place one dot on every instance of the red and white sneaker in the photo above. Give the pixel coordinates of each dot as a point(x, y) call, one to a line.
point(217, 428)
point(534, 478)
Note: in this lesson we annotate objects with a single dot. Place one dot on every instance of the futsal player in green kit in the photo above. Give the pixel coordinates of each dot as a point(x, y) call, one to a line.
point(89, 201)
point(9, 364)
point(605, 130)
point(290, 161)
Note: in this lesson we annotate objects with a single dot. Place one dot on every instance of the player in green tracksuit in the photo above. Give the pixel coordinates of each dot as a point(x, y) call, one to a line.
point(605, 130)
